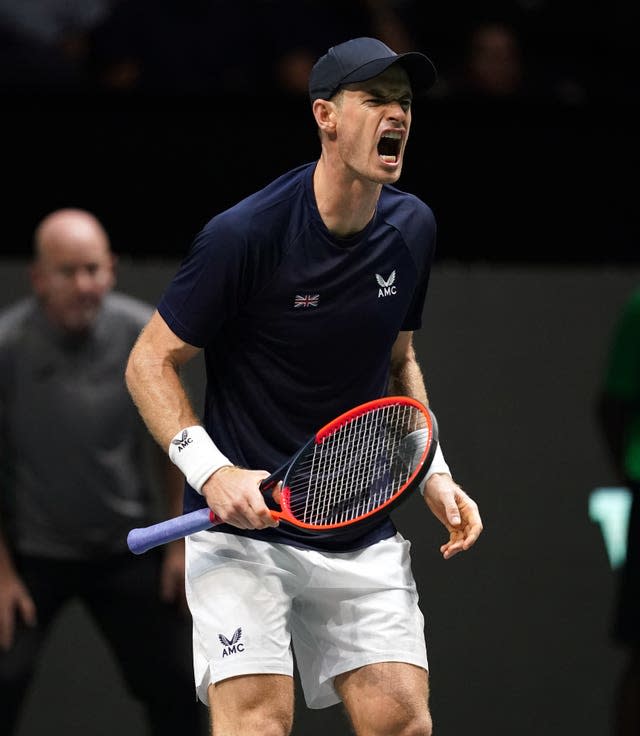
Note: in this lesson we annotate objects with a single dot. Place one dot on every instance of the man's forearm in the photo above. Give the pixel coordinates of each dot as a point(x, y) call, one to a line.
point(407, 380)
point(157, 391)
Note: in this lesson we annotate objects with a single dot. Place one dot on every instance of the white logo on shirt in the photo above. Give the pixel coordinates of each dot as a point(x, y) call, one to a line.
point(387, 287)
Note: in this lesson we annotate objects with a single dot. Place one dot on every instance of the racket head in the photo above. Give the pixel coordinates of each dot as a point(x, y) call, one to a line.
point(360, 466)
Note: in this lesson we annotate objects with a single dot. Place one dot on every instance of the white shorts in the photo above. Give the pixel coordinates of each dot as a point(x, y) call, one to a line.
point(252, 602)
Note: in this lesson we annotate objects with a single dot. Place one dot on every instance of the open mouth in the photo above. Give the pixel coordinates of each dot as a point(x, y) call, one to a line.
point(389, 147)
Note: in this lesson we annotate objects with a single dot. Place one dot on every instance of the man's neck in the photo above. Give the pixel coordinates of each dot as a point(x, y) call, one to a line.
point(346, 203)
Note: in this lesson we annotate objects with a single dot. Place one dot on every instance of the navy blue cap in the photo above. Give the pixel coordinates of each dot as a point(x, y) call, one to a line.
point(364, 58)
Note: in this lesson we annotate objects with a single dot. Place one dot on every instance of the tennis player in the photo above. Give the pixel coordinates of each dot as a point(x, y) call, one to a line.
point(304, 297)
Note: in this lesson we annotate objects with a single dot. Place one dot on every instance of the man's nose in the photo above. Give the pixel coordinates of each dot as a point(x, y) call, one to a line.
point(83, 280)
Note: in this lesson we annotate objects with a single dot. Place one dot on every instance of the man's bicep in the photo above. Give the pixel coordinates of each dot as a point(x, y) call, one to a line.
point(158, 341)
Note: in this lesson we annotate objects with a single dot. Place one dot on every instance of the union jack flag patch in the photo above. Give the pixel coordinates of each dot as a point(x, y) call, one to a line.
point(306, 300)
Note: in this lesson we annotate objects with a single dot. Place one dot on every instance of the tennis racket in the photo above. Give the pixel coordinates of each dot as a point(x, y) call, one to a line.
point(356, 468)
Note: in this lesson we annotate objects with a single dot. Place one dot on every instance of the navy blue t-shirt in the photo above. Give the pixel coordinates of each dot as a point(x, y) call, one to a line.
point(297, 325)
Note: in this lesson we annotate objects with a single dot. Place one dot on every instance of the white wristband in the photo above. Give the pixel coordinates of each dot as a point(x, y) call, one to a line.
point(195, 453)
point(438, 465)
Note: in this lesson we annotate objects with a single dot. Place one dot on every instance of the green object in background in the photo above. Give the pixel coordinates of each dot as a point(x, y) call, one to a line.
point(610, 507)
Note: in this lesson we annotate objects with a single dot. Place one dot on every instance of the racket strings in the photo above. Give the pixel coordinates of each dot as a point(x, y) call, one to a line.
point(358, 468)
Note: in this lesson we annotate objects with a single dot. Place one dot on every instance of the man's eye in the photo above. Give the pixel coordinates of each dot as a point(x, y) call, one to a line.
point(405, 102)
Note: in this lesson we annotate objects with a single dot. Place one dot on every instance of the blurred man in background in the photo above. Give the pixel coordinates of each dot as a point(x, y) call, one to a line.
point(77, 472)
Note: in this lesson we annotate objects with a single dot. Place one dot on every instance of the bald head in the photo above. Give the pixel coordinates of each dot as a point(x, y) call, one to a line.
point(73, 268)
point(64, 227)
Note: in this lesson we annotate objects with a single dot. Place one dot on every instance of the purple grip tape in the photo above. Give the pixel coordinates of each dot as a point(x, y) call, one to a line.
point(142, 539)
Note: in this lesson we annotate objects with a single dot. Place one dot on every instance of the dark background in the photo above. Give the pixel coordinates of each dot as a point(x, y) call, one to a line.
point(542, 173)
point(518, 182)
point(535, 197)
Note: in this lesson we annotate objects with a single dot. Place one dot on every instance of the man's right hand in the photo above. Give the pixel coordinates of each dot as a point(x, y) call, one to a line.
point(234, 495)
point(15, 600)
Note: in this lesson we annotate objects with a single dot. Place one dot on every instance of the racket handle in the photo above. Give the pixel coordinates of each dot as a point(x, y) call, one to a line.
point(144, 538)
point(268, 484)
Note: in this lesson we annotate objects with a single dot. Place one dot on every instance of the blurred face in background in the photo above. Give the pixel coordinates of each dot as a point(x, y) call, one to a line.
point(495, 60)
point(73, 269)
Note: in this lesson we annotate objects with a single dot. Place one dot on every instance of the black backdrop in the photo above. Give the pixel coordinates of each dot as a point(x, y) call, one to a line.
point(509, 182)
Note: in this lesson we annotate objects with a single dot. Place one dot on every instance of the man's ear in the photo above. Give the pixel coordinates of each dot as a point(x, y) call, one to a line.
point(324, 112)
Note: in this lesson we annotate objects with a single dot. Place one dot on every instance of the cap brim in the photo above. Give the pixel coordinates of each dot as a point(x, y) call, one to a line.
point(422, 73)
